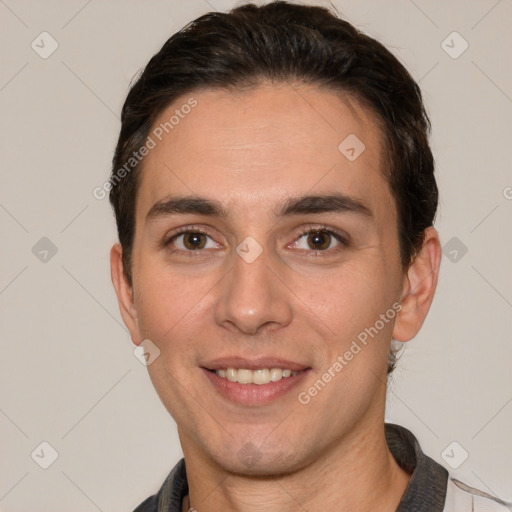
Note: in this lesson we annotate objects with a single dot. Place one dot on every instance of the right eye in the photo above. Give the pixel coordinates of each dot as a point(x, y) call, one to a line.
point(190, 240)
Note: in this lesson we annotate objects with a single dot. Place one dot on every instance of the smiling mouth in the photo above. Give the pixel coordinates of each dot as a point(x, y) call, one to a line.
point(259, 376)
point(261, 384)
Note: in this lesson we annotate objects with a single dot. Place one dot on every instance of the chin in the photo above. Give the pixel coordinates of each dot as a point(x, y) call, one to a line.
point(249, 460)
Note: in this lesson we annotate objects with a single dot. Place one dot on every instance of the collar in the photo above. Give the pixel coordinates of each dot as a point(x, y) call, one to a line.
point(426, 491)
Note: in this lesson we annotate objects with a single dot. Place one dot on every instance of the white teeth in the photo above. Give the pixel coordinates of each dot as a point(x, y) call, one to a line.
point(276, 374)
point(244, 376)
point(260, 376)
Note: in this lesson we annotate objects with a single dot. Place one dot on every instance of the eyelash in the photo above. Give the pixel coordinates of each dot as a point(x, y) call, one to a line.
point(340, 237)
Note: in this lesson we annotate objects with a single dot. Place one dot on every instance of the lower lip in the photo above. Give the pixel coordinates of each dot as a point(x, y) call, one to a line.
point(254, 394)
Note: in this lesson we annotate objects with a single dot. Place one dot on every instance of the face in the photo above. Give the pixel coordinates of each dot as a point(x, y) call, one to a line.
point(261, 246)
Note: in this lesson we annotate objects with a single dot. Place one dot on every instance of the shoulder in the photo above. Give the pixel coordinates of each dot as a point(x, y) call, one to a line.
point(171, 494)
point(460, 497)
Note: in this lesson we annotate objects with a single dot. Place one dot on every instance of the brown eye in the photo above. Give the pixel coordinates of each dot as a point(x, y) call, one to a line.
point(319, 240)
point(193, 241)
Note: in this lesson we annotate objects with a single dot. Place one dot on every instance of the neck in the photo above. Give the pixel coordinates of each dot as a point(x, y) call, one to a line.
point(358, 474)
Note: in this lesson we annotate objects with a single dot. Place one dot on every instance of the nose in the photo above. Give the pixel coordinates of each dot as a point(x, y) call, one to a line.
point(252, 298)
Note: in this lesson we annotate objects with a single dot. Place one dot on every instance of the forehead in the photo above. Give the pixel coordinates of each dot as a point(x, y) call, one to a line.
point(256, 147)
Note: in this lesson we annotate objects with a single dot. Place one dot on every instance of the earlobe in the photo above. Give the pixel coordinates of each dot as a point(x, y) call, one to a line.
point(420, 284)
point(124, 293)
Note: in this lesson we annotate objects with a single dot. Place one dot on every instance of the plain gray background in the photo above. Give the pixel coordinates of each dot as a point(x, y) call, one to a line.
point(68, 373)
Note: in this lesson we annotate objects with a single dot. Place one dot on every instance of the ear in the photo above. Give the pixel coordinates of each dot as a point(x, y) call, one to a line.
point(420, 284)
point(124, 293)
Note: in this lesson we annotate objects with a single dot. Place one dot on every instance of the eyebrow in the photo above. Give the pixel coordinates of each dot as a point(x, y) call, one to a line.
point(309, 204)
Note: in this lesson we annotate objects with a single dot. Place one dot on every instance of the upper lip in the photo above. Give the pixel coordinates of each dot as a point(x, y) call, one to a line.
point(254, 364)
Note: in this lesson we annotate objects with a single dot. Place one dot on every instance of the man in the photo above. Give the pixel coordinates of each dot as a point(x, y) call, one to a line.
point(274, 195)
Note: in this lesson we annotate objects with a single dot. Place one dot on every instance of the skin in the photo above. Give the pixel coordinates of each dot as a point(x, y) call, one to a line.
point(251, 151)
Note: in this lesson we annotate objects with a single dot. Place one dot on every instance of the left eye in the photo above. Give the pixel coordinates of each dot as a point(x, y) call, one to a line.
point(318, 240)
point(192, 240)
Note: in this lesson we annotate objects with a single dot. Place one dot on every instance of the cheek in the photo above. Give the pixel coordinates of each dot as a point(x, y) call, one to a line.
point(162, 300)
point(348, 299)
point(358, 309)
